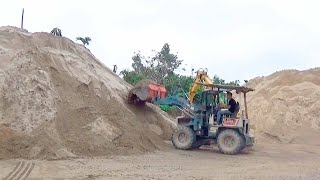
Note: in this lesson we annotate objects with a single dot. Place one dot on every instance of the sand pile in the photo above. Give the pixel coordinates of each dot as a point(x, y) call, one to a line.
point(285, 106)
point(58, 100)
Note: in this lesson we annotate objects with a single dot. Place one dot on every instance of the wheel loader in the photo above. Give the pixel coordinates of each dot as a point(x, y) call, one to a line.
point(232, 136)
point(196, 127)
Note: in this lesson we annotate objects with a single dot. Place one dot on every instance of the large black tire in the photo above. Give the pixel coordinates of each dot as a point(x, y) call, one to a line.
point(183, 138)
point(230, 141)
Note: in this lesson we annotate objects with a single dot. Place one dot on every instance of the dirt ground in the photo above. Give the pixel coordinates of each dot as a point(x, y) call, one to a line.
point(263, 161)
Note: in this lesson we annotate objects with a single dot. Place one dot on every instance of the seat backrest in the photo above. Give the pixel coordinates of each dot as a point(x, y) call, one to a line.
point(236, 110)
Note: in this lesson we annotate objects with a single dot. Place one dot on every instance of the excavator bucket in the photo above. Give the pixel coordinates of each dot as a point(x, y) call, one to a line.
point(146, 91)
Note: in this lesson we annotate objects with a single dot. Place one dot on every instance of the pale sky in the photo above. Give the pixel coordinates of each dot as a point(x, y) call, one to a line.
point(233, 39)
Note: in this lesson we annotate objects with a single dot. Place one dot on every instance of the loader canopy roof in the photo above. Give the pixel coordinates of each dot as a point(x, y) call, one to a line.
point(238, 89)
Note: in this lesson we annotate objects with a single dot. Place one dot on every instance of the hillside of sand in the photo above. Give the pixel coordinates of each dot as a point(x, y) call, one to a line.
point(57, 100)
point(285, 106)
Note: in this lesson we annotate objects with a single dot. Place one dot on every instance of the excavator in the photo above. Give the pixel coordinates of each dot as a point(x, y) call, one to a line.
point(149, 91)
point(196, 126)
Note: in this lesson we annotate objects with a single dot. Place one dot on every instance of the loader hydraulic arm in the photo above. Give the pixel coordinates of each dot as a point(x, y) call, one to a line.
point(201, 77)
point(179, 102)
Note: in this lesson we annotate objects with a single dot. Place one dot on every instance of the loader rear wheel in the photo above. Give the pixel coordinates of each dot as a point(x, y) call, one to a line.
point(230, 142)
point(183, 138)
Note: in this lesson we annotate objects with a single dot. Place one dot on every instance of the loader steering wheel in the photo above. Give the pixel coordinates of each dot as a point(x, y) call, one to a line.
point(217, 108)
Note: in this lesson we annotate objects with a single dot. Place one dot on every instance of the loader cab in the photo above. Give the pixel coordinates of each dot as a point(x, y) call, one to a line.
point(208, 107)
point(211, 98)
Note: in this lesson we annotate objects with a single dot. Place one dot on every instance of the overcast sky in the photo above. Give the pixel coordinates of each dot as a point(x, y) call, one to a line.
point(233, 39)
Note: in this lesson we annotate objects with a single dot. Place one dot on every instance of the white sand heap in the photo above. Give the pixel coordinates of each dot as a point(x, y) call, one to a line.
point(58, 100)
point(285, 106)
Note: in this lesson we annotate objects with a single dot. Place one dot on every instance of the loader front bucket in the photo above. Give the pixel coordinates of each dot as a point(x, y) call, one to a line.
point(146, 91)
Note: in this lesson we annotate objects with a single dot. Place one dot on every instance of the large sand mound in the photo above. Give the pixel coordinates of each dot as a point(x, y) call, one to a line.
point(58, 100)
point(285, 106)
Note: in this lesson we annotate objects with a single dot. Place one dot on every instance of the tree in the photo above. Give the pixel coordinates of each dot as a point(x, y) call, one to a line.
point(85, 40)
point(218, 80)
point(132, 77)
point(161, 69)
point(164, 63)
point(138, 65)
point(177, 84)
point(56, 32)
point(157, 68)
point(235, 83)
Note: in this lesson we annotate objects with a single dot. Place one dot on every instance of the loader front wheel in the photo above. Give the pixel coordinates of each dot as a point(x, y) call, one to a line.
point(230, 141)
point(183, 138)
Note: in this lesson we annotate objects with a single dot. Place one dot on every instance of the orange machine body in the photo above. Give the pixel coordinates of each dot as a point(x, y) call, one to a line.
point(156, 90)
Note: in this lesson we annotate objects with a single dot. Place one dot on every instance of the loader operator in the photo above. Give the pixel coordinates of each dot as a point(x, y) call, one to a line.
point(231, 107)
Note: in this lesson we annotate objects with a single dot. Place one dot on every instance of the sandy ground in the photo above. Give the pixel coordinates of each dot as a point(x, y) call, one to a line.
point(264, 161)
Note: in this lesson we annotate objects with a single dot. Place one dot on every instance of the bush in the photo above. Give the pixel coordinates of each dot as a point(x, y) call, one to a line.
point(165, 108)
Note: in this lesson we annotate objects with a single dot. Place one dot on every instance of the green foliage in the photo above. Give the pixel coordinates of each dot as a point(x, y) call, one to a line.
point(165, 108)
point(132, 77)
point(85, 40)
point(218, 80)
point(235, 83)
point(223, 98)
point(176, 83)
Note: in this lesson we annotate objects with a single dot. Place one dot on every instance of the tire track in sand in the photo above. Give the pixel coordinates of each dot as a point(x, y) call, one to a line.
point(21, 171)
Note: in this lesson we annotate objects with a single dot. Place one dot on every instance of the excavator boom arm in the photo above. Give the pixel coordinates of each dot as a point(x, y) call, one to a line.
point(201, 78)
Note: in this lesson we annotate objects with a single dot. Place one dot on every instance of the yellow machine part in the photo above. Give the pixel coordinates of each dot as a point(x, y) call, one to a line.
point(201, 77)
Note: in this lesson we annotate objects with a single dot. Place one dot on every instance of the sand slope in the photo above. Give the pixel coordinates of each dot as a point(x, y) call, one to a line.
point(58, 100)
point(285, 106)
